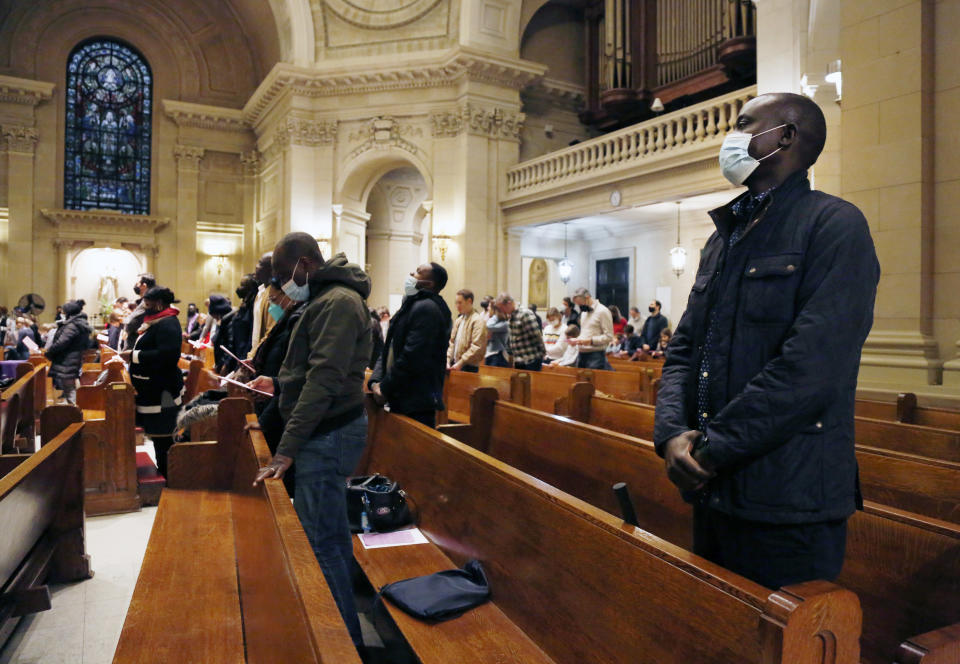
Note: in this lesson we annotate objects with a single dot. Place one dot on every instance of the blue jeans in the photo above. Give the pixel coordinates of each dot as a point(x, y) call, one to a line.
point(496, 360)
point(595, 360)
point(323, 464)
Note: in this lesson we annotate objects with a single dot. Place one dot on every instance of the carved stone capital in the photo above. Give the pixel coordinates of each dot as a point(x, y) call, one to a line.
point(493, 122)
point(201, 116)
point(24, 91)
point(20, 138)
point(384, 132)
point(309, 133)
point(188, 157)
point(251, 162)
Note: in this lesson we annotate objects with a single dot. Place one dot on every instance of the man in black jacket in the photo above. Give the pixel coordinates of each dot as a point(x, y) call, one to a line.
point(409, 374)
point(755, 413)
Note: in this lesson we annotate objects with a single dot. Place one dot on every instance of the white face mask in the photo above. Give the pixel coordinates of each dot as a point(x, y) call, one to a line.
point(735, 160)
point(410, 286)
point(294, 291)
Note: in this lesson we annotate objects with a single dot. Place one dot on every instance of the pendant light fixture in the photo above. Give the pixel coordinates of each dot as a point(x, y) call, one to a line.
point(565, 266)
point(678, 255)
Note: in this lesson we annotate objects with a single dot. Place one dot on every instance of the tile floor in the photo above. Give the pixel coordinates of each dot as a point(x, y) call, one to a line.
point(84, 625)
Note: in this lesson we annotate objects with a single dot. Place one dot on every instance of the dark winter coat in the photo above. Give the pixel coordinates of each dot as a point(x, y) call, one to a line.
point(419, 334)
point(153, 365)
point(321, 382)
point(781, 400)
point(70, 339)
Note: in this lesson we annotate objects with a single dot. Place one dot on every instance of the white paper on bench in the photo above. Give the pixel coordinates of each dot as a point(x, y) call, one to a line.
point(396, 538)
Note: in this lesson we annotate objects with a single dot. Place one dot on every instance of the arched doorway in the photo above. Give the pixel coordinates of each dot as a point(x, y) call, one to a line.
point(99, 275)
point(395, 239)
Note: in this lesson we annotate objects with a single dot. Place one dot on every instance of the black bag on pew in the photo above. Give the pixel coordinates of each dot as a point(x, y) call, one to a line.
point(381, 499)
point(442, 595)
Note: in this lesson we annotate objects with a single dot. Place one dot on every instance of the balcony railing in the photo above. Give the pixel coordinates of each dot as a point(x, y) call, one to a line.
point(669, 135)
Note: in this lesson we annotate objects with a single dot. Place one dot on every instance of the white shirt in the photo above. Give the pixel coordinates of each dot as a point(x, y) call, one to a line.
point(597, 326)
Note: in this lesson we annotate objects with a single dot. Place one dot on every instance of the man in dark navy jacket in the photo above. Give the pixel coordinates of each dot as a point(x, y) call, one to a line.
point(412, 366)
point(755, 412)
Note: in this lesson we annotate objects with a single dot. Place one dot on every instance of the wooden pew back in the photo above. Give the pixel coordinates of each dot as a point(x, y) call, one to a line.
point(459, 387)
point(904, 567)
point(268, 601)
point(910, 438)
point(906, 410)
point(41, 518)
point(544, 572)
point(544, 386)
point(20, 407)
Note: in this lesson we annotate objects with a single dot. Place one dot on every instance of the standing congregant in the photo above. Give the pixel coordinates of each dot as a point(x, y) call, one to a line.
point(755, 413)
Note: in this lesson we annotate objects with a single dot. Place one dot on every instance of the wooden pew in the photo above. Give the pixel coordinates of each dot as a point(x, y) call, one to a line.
point(572, 584)
point(905, 567)
point(913, 482)
point(906, 410)
point(910, 438)
point(42, 526)
point(544, 386)
point(229, 575)
point(459, 386)
point(110, 443)
point(19, 409)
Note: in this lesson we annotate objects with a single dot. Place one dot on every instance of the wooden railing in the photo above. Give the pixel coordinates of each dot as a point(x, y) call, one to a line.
point(669, 134)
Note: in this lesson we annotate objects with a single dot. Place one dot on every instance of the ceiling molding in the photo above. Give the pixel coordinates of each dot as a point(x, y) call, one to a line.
point(24, 91)
point(202, 116)
point(433, 70)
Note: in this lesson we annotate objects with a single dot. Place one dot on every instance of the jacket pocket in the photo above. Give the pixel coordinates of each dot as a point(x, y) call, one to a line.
point(767, 288)
point(791, 476)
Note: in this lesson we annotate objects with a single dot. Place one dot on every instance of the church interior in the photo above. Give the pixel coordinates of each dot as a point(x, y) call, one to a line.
point(530, 147)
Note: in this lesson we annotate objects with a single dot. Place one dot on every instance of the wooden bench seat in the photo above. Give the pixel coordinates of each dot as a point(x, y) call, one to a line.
point(228, 575)
point(904, 567)
point(481, 635)
point(586, 588)
point(458, 388)
point(41, 526)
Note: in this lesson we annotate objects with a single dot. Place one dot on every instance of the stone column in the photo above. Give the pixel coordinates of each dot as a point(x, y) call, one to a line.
point(308, 152)
point(20, 142)
point(887, 171)
point(251, 169)
point(351, 235)
point(61, 249)
point(188, 185)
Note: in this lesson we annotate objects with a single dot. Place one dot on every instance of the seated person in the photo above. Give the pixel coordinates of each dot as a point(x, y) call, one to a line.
point(661, 349)
point(570, 354)
point(552, 334)
point(630, 344)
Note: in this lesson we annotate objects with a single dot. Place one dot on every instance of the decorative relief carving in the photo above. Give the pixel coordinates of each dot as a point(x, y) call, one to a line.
point(493, 122)
point(377, 15)
point(97, 219)
point(188, 156)
point(18, 138)
point(301, 131)
point(382, 133)
point(251, 162)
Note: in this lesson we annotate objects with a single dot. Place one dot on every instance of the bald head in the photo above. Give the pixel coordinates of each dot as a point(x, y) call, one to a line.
point(805, 133)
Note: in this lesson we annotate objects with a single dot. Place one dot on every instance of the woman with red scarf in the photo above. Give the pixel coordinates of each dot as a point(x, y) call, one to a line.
point(154, 371)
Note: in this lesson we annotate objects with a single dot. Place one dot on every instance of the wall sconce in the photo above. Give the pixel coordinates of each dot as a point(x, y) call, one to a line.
point(835, 76)
point(221, 261)
point(440, 245)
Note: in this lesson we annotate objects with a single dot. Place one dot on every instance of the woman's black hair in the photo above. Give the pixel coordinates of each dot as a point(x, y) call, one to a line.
point(161, 294)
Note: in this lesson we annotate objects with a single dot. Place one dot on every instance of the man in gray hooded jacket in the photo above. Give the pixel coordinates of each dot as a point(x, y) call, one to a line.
point(320, 392)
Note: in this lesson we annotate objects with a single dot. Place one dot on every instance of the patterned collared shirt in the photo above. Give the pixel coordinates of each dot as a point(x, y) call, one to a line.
point(526, 339)
point(744, 211)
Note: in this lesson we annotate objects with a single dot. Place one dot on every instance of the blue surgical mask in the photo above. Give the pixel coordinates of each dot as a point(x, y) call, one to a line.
point(410, 286)
point(276, 311)
point(294, 291)
point(735, 160)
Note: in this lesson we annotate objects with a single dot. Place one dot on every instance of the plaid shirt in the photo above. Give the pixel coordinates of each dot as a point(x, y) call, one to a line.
point(526, 339)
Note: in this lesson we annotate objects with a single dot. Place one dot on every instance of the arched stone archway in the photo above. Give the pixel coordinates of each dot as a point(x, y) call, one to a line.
point(380, 198)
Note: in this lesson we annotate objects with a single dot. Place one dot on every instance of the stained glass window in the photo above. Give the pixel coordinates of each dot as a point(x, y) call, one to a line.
point(107, 153)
